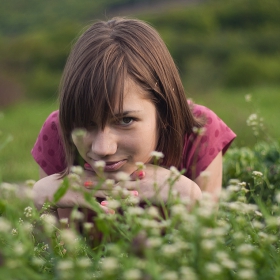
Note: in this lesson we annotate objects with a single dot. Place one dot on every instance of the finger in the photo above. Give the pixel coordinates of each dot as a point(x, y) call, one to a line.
point(124, 193)
point(106, 209)
point(89, 184)
point(138, 174)
point(87, 166)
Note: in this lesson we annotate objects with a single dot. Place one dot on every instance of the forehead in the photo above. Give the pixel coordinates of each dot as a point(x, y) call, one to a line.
point(132, 93)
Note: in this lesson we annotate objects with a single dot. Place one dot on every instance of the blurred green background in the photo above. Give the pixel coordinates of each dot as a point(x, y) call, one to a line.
point(224, 50)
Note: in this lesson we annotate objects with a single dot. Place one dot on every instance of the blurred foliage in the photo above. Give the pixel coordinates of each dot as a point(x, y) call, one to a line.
point(224, 43)
point(214, 43)
point(264, 157)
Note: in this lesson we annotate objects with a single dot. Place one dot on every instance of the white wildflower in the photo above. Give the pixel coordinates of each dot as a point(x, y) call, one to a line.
point(248, 97)
point(213, 268)
point(30, 183)
point(99, 164)
point(246, 274)
point(229, 264)
point(147, 223)
point(246, 263)
point(69, 237)
point(204, 212)
point(245, 249)
point(113, 204)
point(132, 200)
point(169, 275)
point(19, 249)
point(84, 262)
point(199, 130)
point(132, 274)
point(221, 255)
point(257, 225)
point(88, 226)
point(45, 247)
point(109, 183)
point(49, 222)
point(64, 265)
point(233, 188)
point(27, 211)
point(157, 155)
point(122, 176)
point(205, 174)
point(257, 174)
point(77, 215)
point(78, 134)
point(27, 227)
point(154, 242)
point(258, 213)
point(188, 273)
point(140, 165)
point(64, 221)
point(77, 170)
point(74, 178)
point(277, 197)
point(14, 231)
point(238, 236)
point(169, 250)
point(208, 245)
point(242, 184)
point(29, 193)
point(37, 261)
point(109, 265)
point(178, 210)
point(153, 211)
point(273, 221)
point(135, 211)
point(174, 171)
point(9, 188)
point(234, 182)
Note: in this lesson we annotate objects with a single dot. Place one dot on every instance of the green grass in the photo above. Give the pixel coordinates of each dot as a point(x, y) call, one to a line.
point(23, 121)
point(230, 105)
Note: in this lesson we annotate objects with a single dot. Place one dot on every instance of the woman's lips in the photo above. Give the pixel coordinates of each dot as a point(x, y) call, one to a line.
point(114, 166)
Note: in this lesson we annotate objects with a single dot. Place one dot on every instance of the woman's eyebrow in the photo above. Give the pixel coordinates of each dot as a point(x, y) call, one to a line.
point(124, 113)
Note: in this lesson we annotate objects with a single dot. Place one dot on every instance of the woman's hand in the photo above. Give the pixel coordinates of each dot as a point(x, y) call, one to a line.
point(45, 189)
point(158, 182)
point(154, 184)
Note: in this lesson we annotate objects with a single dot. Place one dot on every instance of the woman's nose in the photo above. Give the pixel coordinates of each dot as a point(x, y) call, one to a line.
point(104, 142)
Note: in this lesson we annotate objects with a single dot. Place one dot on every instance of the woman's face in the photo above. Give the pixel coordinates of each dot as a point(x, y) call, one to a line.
point(126, 141)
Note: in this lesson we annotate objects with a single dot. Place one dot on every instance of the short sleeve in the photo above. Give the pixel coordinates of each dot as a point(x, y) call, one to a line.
point(202, 146)
point(48, 151)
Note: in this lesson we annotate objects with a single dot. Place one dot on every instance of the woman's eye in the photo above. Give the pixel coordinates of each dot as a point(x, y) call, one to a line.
point(126, 121)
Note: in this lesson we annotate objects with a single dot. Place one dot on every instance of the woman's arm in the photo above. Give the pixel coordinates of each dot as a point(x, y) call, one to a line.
point(210, 179)
point(62, 212)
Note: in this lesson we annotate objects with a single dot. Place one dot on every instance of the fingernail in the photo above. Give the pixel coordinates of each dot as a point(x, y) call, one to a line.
point(87, 165)
point(104, 203)
point(140, 174)
point(109, 211)
point(88, 184)
point(135, 193)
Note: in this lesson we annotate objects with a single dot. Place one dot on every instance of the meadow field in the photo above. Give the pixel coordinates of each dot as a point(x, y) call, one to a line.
point(228, 55)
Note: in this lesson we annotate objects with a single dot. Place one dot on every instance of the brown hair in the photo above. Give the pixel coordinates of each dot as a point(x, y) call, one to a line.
point(93, 82)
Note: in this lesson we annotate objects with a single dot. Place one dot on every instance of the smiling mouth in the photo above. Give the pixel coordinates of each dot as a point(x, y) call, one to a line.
point(114, 166)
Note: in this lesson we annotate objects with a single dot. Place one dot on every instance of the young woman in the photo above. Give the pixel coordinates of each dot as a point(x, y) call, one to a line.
point(121, 85)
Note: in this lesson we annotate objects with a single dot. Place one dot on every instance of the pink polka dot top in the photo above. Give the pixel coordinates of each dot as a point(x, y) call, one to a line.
point(200, 147)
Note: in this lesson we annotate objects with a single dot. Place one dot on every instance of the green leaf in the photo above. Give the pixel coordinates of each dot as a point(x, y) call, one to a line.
point(61, 190)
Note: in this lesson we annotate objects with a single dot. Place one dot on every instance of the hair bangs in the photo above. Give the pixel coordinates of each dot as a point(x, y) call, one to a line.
point(99, 90)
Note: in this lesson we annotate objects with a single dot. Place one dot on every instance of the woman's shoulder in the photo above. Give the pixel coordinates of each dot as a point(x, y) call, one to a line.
point(48, 150)
point(203, 145)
